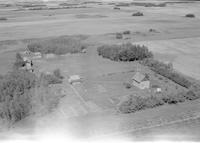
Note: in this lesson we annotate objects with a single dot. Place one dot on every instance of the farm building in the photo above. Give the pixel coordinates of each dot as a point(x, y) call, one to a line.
point(140, 80)
point(74, 79)
point(49, 56)
point(25, 53)
point(31, 55)
point(26, 59)
point(156, 88)
point(37, 55)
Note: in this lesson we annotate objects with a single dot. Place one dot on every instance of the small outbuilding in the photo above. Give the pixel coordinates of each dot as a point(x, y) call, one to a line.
point(140, 80)
point(37, 55)
point(156, 88)
point(50, 56)
point(74, 79)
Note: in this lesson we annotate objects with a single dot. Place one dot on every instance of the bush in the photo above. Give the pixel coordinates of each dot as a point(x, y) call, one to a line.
point(123, 4)
point(170, 99)
point(127, 85)
point(119, 36)
point(127, 32)
point(51, 79)
point(138, 14)
point(124, 52)
point(117, 8)
point(190, 95)
point(190, 15)
point(57, 74)
point(153, 101)
point(133, 104)
point(153, 30)
point(58, 46)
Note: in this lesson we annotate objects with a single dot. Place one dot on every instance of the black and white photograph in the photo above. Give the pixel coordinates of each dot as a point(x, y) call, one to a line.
point(99, 71)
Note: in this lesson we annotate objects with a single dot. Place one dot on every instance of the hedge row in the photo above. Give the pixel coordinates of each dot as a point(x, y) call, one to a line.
point(136, 103)
point(167, 71)
point(58, 46)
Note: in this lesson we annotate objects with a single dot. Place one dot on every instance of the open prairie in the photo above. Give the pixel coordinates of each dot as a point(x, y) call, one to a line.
point(90, 109)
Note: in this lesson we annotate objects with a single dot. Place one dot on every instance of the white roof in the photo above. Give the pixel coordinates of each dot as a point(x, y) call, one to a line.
point(138, 77)
point(37, 53)
point(74, 77)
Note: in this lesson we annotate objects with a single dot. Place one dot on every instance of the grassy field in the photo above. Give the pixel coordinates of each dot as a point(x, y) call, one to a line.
point(90, 108)
point(183, 53)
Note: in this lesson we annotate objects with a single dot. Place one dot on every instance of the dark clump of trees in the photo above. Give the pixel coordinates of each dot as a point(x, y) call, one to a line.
point(138, 14)
point(190, 15)
point(15, 97)
point(21, 92)
point(127, 32)
point(117, 8)
point(136, 103)
point(149, 4)
point(3, 19)
point(57, 73)
point(124, 52)
point(167, 71)
point(55, 78)
point(119, 36)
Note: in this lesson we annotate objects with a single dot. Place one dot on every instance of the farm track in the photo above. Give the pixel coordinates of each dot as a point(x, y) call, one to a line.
point(83, 103)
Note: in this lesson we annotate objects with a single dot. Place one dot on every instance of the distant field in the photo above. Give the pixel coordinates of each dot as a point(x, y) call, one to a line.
point(183, 53)
point(44, 23)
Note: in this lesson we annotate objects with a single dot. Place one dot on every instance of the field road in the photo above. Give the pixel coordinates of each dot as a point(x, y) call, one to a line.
point(79, 96)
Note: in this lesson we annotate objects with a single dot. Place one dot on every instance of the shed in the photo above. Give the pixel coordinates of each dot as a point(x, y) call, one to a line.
point(37, 55)
point(156, 88)
point(50, 56)
point(26, 59)
point(140, 80)
point(74, 79)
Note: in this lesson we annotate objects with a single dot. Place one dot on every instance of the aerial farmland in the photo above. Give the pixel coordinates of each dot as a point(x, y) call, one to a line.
point(94, 70)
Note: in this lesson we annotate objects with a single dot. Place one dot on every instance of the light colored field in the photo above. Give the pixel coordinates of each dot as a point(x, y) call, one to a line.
point(35, 24)
point(183, 53)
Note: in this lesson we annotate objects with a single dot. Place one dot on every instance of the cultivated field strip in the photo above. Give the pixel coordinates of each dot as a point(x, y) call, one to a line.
point(148, 124)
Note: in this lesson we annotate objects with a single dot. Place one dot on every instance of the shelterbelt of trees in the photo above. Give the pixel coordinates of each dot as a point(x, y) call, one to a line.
point(129, 52)
point(57, 46)
point(124, 52)
point(22, 93)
